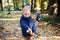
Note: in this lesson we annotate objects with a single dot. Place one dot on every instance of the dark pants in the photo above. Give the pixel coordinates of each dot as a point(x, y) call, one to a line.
point(27, 38)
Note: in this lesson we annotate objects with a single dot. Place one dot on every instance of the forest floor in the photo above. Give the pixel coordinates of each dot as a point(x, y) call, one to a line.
point(12, 31)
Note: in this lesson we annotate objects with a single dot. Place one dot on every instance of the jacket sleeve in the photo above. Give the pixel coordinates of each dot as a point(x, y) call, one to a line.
point(36, 16)
point(34, 29)
point(23, 25)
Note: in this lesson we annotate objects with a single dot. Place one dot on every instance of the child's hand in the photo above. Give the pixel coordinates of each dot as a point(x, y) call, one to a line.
point(39, 19)
point(29, 31)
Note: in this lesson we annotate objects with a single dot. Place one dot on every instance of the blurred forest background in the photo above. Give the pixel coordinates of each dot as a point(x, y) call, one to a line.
point(11, 10)
point(48, 7)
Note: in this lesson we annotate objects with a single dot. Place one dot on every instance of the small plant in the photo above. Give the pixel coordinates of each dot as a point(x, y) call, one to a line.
point(45, 18)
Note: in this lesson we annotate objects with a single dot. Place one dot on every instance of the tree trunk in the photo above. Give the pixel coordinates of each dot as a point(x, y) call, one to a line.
point(50, 8)
point(1, 5)
point(8, 7)
point(22, 3)
point(32, 6)
point(42, 8)
point(34, 3)
point(14, 4)
point(58, 15)
point(51, 2)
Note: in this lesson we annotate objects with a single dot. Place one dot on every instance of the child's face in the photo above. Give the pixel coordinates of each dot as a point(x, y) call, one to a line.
point(26, 13)
point(38, 11)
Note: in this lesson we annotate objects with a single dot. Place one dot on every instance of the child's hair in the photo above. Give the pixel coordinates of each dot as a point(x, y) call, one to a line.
point(26, 8)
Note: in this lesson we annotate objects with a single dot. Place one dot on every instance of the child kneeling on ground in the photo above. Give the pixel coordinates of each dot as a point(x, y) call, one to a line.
point(27, 24)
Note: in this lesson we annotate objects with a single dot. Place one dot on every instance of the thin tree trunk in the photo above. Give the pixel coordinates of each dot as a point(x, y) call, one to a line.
point(32, 6)
point(34, 3)
point(1, 5)
point(42, 1)
point(22, 3)
point(14, 4)
point(58, 15)
point(9, 7)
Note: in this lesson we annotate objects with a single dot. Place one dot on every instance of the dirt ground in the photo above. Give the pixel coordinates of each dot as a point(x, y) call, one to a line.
point(12, 31)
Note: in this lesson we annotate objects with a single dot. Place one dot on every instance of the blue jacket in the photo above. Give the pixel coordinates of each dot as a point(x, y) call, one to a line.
point(26, 23)
point(37, 16)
